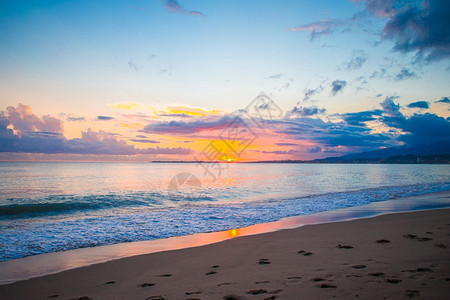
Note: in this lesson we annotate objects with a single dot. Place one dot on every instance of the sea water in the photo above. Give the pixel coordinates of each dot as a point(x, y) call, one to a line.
point(50, 207)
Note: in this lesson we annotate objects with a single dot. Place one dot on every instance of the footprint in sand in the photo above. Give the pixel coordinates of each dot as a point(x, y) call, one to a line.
point(215, 267)
point(377, 274)
point(359, 267)
point(326, 286)
point(225, 283)
point(264, 261)
point(383, 241)
point(295, 277)
point(155, 298)
point(412, 293)
point(192, 293)
point(110, 282)
point(82, 298)
point(146, 284)
point(164, 275)
point(393, 280)
point(257, 292)
point(344, 246)
point(53, 296)
point(415, 237)
point(316, 279)
point(304, 253)
point(232, 297)
point(271, 298)
point(259, 282)
point(211, 273)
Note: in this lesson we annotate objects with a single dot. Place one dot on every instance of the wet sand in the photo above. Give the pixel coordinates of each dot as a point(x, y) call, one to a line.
point(394, 256)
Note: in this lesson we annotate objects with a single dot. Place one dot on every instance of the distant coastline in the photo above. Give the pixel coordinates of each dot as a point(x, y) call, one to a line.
point(397, 159)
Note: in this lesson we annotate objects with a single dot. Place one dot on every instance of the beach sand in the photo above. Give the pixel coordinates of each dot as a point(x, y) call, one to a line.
point(395, 256)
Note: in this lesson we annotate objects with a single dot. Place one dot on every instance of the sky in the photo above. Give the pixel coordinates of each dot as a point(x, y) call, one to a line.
point(237, 80)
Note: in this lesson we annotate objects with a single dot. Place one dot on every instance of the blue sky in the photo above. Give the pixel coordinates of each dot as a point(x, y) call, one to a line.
point(81, 58)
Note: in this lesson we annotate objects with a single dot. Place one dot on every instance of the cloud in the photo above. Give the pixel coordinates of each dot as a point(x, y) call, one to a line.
point(419, 104)
point(422, 27)
point(405, 74)
point(322, 27)
point(182, 127)
point(389, 106)
point(305, 111)
point(174, 7)
point(327, 134)
point(337, 86)
point(145, 141)
point(314, 150)
point(419, 128)
point(308, 93)
point(286, 144)
point(359, 57)
point(443, 100)
point(276, 76)
point(282, 152)
point(104, 118)
point(359, 118)
point(382, 73)
point(23, 120)
point(31, 134)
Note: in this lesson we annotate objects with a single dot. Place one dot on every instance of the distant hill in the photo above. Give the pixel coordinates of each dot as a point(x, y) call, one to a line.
point(386, 155)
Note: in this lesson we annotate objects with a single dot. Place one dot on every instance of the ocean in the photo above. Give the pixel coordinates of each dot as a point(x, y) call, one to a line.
point(51, 207)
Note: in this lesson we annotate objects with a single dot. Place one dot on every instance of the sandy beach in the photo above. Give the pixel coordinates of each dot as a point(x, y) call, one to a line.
point(393, 256)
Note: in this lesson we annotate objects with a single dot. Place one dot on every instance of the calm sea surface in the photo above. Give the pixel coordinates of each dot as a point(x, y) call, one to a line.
point(49, 207)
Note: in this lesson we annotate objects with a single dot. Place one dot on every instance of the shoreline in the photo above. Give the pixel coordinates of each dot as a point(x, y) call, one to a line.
point(51, 263)
point(397, 255)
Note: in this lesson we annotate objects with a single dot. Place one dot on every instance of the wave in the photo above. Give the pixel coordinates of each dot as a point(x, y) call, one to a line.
point(66, 204)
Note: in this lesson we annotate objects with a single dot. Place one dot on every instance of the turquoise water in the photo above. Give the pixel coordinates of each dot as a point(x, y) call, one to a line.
point(49, 207)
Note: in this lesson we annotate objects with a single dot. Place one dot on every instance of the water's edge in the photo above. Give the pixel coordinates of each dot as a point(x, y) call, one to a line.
point(50, 263)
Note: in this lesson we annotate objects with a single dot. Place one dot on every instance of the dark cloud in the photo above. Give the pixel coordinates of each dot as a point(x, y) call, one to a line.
point(358, 59)
point(359, 118)
point(419, 104)
point(322, 27)
point(305, 111)
point(182, 127)
point(333, 134)
point(405, 74)
point(314, 150)
point(420, 28)
point(443, 100)
point(337, 86)
point(389, 106)
point(174, 7)
point(418, 129)
point(308, 93)
point(104, 118)
point(145, 141)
